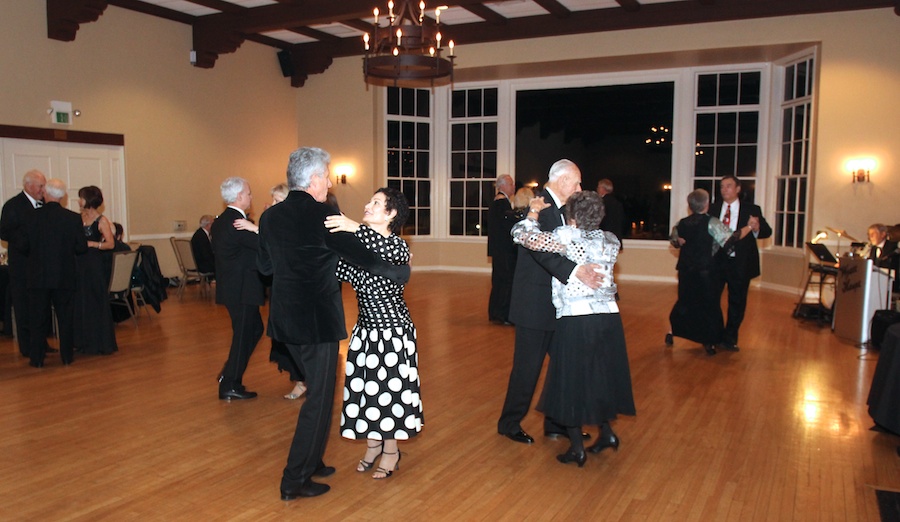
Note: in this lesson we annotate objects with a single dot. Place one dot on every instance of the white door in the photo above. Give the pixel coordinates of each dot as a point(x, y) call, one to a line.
point(77, 164)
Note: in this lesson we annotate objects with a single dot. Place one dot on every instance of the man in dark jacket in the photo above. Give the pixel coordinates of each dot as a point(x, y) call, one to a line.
point(54, 237)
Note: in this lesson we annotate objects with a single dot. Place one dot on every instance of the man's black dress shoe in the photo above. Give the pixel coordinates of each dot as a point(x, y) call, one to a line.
point(579, 457)
point(710, 349)
point(520, 436)
point(556, 434)
point(36, 364)
point(610, 441)
point(729, 347)
point(324, 471)
point(308, 489)
point(235, 394)
point(669, 340)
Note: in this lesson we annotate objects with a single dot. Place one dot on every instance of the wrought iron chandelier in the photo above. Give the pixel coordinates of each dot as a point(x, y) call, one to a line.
point(407, 52)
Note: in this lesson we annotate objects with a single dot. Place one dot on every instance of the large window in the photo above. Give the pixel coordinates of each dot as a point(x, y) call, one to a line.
point(793, 176)
point(726, 131)
point(409, 153)
point(473, 159)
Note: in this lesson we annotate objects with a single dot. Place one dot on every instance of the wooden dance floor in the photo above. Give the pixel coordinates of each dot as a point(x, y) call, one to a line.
point(777, 431)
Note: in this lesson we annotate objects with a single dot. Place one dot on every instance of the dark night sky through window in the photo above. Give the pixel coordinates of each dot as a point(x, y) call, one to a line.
point(604, 131)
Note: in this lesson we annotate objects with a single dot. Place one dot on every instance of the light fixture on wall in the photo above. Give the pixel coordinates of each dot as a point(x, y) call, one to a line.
point(860, 169)
point(820, 235)
point(407, 51)
point(341, 172)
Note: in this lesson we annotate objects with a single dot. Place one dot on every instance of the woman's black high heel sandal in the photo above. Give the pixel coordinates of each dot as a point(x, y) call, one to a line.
point(366, 466)
point(610, 441)
point(389, 472)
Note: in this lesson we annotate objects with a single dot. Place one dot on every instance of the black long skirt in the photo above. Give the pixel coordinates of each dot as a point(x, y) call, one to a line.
point(588, 378)
point(697, 315)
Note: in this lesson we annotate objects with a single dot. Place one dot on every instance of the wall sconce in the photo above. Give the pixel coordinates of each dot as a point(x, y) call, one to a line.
point(342, 172)
point(860, 169)
point(820, 235)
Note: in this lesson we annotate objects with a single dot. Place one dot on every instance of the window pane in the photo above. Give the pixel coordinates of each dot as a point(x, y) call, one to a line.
point(785, 159)
point(393, 100)
point(394, 184)
point(487, 193)
point(746, 161)
point(791, 201)
point(703, 162)
point(473, 165)
point(472, 222)
point(801, 230)
point(474, 103)
point(408, 102)
point(728, 89)
point(801, 79)
point(748, 127)
point(706, 129)
point(706, 90)
point(456, 194)
point(458, 165)
point(410, 226)
point(789, 83)
point(726, 132)
point(473, 193)
point(489, 168)
point(407, 164)
point(409, 189)
point(474, 136)
point(423, 107)
point(786, 120)
point(422, 138)
point(789, 230)
point(490, 102)
point(393, 135)
point(424, 224)
point(799, 116)
point(725, 161)
point(750, 82)
point(490, 136)
point(810, 76)
point(423, 194)
point(802, 203)
point(456, 222)
point(797, 165)
point(408, 135)
point(458, 137)
point(779, 201)
point(393, 163)
point(422, 164)
point(458, 104)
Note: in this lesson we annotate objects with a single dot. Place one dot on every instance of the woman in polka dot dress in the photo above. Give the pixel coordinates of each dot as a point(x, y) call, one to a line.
point(381, 387)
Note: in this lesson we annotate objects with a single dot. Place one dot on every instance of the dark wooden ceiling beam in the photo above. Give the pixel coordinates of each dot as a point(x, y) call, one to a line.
point(155, 10)
point(555, 8)
point(64, 17)
point(632, 6)
point(487, 14)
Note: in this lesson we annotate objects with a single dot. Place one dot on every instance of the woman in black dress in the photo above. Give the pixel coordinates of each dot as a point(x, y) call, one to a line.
point(94, 327)
point(697, 315)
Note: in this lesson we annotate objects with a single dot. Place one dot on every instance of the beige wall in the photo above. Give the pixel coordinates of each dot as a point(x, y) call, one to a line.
point(187, 128)
point(857, 115)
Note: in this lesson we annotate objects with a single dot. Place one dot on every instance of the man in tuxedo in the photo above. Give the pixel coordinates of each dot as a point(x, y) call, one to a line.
point(614, 219)
point(531, 309)
point(306, 310)
point(54, 237)
point(882, 250)
point(238, 286)
point(737, 266)
point(13, 223)
point(502, 250)
point(201, 247)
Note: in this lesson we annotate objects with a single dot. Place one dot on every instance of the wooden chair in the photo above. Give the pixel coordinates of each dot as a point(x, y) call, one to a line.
point(188, 267)
point(120, 280)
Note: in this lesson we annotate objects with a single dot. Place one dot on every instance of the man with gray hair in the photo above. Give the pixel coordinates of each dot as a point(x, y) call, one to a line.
point(53, 239)
point(501, 249)
point(306, 310)
point(13, 221)
point(238, 286)
point(201, 246)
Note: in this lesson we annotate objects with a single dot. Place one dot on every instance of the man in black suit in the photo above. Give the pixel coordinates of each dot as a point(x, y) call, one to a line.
point(54, 238)
point(614, 219)
point(739, 265)
point(201, 247)
point(502, 250)
point(13, 222)
point(882, 250)
point(238, 285)
point(306, 310)
point(532, 310)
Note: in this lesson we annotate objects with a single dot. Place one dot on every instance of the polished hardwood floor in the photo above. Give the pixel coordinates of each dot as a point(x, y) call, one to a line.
point(777, 431)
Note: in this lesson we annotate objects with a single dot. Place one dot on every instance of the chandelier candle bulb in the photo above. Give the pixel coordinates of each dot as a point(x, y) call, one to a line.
point(375, 12)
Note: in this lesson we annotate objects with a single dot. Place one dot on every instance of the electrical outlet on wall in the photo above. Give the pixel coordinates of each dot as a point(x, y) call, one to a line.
point(179, 226)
